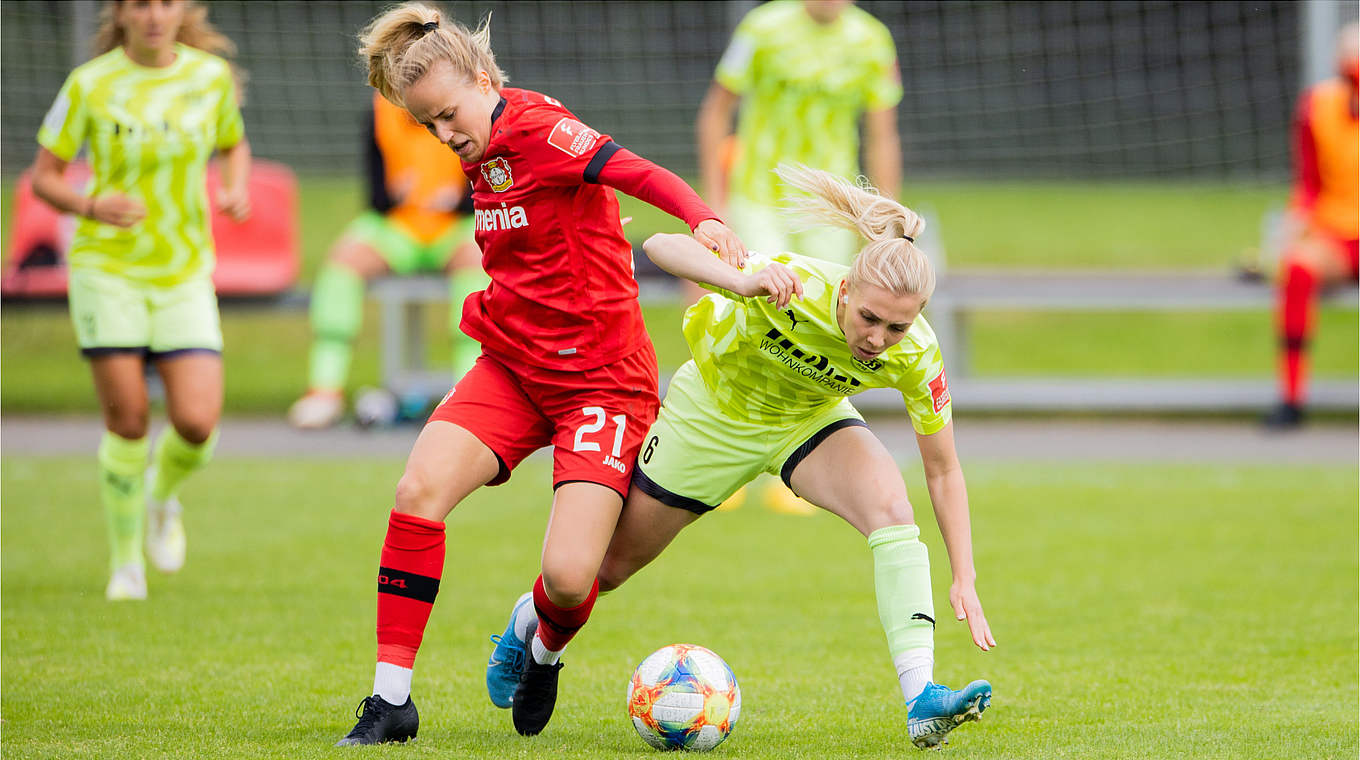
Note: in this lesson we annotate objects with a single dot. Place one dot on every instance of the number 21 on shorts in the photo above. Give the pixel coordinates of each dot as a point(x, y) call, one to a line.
point(597, 423)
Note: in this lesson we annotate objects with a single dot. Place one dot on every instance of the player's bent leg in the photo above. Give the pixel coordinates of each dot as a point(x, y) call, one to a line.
point(446, 464)
point(579, 529)
point(122, 456)
point(937, 710)
point(852, 474)
point(336, 314)
point(646, 527)
point(193, 385)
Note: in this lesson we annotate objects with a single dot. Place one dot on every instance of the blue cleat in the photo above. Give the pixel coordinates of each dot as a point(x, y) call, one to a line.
point(937, 710)
point(507, 659)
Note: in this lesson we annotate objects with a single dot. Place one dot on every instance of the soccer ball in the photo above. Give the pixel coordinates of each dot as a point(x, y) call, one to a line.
point(683, 697)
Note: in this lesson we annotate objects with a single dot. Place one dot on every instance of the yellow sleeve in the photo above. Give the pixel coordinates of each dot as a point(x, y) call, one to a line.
point(925, 390)
point(735, 67)
point(231, 129)
point(66, 125)
point(885, 86)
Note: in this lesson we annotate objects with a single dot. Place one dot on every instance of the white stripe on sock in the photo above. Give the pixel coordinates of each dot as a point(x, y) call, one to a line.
point(392, 683)
point(915, 668)
point(544, 655)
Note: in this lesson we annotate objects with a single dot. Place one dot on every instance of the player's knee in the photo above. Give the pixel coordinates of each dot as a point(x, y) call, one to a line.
point(888, 510)
point(127, 420)
point(196, 429)
point(417, 495)
point(567, 583)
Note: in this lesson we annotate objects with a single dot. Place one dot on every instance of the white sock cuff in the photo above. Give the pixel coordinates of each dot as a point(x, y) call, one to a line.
point(544, 655)
point(525, 615)
point(392, 683)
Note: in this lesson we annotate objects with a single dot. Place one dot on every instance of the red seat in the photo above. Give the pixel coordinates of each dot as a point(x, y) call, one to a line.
point(257, 257)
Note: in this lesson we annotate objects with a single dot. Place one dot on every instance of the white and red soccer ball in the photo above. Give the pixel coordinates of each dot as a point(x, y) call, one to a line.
point(683, 696)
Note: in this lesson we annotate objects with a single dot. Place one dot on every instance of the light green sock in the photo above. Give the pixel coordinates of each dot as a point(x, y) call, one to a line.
point(122, 467)
point(902, 584)
point(176, 459)
point(337, 313)
point(462, 284)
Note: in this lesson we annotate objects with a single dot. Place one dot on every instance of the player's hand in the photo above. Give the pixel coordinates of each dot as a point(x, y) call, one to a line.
point(117, 209)
point(963, 597)
point(719, 238)
point(777, 281)
point(234, 202)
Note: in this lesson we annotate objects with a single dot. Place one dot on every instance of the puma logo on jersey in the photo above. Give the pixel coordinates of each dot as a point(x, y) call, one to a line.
point(793, 318)
point(503, 218)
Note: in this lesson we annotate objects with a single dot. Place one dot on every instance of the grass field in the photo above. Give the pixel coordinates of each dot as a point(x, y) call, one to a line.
point(1142, 611)
point(989, 225)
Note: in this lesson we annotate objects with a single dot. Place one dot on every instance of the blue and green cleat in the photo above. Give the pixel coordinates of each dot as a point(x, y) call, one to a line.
point(507, 659)
point(937, 710)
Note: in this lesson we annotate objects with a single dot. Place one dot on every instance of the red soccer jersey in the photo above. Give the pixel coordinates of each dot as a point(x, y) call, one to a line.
point(562, 293)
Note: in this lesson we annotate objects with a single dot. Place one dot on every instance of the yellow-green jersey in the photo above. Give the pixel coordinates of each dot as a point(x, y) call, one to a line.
point(804, 86)
point(775, 366)
point(150, 131)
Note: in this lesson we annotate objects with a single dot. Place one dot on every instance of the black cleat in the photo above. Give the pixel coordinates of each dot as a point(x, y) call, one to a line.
point(535, 697)
point(381, 721)
point(1284, 417)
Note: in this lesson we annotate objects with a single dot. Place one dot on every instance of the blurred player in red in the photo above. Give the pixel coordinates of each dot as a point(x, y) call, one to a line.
point(566, 360)
point(1324, 216)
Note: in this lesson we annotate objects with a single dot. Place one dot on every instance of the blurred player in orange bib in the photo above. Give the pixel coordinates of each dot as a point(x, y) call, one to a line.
point(565, 360)
point(1325, 215)
point(419, 219)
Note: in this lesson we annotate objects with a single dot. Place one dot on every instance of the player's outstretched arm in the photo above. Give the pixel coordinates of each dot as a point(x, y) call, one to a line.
point(685, 257)
point(630, 173)
point(949, 497)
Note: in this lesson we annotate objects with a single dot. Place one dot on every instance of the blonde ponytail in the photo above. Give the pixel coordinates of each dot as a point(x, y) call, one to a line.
point(891, 260)
point(401, 45)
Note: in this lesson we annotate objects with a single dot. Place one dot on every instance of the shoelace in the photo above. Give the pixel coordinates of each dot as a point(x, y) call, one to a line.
point(516, 655)
point(367, 717)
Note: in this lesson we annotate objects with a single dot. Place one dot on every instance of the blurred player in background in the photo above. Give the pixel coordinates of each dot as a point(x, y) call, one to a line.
point(565, 361)
point(777, 350)
point(1324, 217)
point(419, 219)
point(805, 73)
point(152, 107)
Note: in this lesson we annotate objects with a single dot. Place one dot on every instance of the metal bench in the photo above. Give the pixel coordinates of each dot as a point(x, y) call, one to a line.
point(961, 293)
point(958, 295)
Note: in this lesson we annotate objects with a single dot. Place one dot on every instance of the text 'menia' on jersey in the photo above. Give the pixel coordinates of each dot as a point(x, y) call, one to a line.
point(774, 365)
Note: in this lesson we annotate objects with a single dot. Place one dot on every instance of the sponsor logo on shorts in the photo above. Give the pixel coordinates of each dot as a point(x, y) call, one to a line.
point(572, 137)
point(614, 462)
point(497, 174)
point(939, 391)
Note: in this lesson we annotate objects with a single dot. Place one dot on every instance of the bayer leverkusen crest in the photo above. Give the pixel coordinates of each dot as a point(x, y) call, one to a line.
point(497, 174)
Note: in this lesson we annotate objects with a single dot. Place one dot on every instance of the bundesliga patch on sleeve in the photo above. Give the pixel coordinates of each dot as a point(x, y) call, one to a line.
point(939, 391)
point(572, 137)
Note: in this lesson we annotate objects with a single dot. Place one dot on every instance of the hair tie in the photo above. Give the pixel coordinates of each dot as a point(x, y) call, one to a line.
point(429, 26)
point(909, 238)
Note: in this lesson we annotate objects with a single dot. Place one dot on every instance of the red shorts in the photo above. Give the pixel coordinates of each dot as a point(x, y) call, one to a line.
point(595, 420)
point(1352, 253)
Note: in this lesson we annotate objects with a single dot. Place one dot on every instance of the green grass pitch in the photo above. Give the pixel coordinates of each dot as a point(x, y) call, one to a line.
point(1142, 611)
